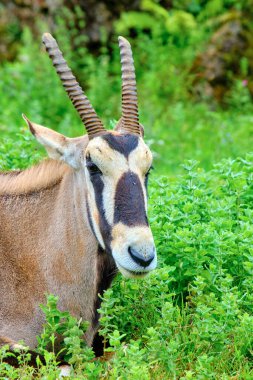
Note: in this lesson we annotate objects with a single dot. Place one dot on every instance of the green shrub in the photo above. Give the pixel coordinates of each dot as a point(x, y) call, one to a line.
point(196, 309)
point(192, 317)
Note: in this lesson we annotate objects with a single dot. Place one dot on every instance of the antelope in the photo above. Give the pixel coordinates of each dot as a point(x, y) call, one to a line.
point(71, 222)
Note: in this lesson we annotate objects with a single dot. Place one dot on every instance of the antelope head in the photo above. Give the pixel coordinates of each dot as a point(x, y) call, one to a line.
point(115, 165)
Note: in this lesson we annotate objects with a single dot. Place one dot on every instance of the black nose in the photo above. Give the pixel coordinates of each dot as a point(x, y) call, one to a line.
point(140, 259)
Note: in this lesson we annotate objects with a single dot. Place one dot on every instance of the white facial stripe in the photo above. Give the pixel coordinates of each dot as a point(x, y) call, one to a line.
point(94, 211)
point(140, 159)
point(109, 161)
point(108, 198)
point(145, 196)
point(118, 167)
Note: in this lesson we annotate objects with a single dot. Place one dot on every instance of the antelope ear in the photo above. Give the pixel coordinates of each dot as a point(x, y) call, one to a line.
point(119, 127)
point(57, 146)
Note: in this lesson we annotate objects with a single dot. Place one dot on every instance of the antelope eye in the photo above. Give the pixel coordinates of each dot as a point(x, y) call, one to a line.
point(93, 168)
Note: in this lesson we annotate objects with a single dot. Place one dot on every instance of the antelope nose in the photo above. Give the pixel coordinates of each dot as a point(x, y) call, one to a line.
point(141, 259)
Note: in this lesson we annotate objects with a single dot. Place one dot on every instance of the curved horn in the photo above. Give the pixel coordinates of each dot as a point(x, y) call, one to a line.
point(130, 117)
point(81, 103)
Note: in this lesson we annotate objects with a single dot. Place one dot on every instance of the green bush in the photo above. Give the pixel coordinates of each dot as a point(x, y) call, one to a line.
point(192, 318)
point(201, 325)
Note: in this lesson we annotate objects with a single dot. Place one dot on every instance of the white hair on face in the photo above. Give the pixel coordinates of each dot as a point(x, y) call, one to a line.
point(94, 213)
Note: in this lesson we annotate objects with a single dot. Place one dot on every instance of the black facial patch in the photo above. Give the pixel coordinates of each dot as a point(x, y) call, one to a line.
point(105, 228)
point(123, 144)
point(89, 218)
point(129, 201)
point(146, 181)
point(92, 168)
point(106, 271)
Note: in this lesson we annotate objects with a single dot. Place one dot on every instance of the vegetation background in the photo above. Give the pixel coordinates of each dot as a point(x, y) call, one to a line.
point(193, 317)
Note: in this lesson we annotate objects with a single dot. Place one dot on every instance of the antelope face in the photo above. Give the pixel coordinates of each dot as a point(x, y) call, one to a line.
point(117, 168)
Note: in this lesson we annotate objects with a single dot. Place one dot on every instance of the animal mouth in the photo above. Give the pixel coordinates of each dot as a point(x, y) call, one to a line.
point(138, 273)
point(132, 273)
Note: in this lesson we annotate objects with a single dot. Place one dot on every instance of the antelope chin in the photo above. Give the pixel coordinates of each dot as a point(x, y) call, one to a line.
point(132, 274)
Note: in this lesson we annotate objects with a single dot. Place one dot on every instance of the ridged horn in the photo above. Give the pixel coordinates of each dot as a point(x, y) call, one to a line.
point(81, 103)
point(130, 116)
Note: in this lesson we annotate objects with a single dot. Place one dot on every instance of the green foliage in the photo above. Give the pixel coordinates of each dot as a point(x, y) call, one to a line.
point(203, 222)
point(18, 155)
point(62, 328)
point(190, 319)
point(141, 302)
point(239, 97)
point(197, 309)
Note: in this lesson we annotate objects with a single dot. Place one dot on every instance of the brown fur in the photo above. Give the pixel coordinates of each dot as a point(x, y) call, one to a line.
point(46, 246)
point(44, 175)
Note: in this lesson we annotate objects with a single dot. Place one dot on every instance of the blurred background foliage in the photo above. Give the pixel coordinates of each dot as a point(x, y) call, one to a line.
point(194, 63)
